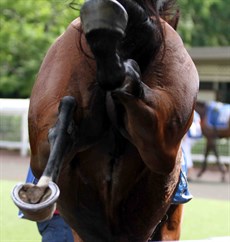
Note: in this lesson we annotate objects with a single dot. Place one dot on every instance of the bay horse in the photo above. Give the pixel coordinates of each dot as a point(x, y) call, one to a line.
point(215, 124)
point(113, 98)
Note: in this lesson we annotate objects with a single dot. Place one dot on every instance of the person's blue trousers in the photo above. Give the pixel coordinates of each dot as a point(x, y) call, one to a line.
point(55, 230)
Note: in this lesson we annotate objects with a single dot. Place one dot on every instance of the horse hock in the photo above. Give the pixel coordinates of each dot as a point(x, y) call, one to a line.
point(104, 23)
point(38, 202)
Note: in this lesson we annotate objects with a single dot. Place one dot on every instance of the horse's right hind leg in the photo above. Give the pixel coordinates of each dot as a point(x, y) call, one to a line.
point(103, 31)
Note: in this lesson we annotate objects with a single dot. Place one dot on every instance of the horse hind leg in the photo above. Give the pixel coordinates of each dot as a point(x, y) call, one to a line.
point(204, 164)
point(104, 24)
point(62, 140)
point(211, 146)
point(220, 165)
point(222, 169)
point(169, 228)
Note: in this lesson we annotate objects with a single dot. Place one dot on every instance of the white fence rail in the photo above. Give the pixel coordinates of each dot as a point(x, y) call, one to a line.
point(211, 158)
point(223, 147)
point(16, 107)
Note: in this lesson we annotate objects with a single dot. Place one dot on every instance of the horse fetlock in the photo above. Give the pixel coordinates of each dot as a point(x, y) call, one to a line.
point(107, 81)
point(103, 44)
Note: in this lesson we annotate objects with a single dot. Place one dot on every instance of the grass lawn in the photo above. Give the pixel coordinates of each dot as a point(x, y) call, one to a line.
point(12, 228)
point(203, 218)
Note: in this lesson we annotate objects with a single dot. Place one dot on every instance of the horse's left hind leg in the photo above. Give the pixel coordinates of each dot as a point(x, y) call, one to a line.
point(38, 201)
point(61, 141)
point(61, 138)
point(170, 228)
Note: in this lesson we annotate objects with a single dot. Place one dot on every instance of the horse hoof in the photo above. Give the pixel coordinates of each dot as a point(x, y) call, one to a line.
point(41, 211)
point(103, 14)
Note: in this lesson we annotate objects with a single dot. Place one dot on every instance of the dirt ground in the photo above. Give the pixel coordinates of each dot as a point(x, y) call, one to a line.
point(14, 167)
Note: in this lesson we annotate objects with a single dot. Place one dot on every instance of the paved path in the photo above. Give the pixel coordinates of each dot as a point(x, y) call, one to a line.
point(14, 167)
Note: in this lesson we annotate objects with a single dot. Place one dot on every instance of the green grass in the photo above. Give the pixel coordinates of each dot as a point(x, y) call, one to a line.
point(12, 228)
point(203, 218)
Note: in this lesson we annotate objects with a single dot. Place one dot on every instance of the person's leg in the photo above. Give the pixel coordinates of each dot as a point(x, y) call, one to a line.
point(55, 230)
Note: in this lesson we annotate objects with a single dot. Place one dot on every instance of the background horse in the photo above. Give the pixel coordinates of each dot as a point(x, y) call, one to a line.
point(215, 124)
point(112, 101)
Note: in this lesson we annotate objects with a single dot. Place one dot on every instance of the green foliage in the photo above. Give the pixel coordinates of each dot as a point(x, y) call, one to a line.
point(204, 23)
point(12, 227)
point(28, 28)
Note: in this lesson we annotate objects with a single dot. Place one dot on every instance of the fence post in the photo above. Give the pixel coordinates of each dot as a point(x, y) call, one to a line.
point(16, 107)
point(24, 134)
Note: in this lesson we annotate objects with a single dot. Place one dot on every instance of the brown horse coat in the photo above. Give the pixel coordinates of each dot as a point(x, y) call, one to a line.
point(127, 202)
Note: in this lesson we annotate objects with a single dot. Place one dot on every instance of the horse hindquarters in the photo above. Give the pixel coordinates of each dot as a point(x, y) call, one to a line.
point(148, 118)
point(126, 86)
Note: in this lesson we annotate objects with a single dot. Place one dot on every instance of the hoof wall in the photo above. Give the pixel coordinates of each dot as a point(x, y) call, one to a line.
point(39, 211)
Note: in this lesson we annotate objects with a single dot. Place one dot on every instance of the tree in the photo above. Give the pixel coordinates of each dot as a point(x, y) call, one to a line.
point(27, 30)
point(204, 23)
